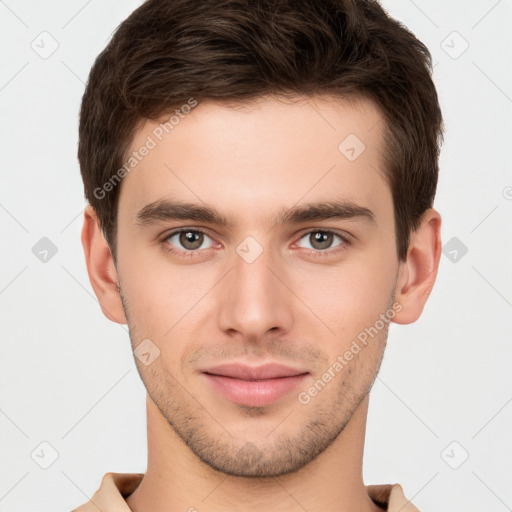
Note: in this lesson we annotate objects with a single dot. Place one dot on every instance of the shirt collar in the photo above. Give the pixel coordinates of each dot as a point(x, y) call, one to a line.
point(115, 487)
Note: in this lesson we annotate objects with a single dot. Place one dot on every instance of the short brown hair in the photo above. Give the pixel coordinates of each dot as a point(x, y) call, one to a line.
point(168, 51)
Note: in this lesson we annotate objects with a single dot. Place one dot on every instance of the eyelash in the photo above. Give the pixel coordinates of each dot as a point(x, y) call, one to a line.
point(314, 253)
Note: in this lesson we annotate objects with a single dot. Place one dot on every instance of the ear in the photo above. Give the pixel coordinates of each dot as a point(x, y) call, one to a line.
point(101, 269)
point(417, 274)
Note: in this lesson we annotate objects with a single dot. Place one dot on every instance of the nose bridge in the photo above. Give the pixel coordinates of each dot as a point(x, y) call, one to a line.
point(253, 297)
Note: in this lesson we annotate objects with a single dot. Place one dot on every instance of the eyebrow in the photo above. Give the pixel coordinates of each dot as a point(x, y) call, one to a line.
point(165, 210)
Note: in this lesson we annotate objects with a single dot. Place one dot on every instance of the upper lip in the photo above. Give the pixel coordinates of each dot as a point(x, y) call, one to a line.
point(244, 372)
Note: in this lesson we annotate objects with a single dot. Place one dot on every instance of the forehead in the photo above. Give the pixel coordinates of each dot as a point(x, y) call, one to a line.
point(250, 156)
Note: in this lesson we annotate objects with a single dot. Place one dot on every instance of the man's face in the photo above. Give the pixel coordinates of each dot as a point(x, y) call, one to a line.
point(259, 291)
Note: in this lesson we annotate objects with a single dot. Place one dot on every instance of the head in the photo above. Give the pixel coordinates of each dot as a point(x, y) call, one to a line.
point(296, 146)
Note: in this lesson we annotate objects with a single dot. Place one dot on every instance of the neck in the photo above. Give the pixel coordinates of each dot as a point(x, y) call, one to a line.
point(177, 480)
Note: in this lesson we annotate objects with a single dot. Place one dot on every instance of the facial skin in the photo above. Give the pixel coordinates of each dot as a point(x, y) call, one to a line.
point(301, 302)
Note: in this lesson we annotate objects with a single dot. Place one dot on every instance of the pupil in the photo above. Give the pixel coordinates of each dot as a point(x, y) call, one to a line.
point(190, 237)
point(323, 238)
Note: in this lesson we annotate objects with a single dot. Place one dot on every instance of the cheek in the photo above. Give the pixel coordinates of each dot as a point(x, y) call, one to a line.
point(150, 293)
point(348, 298)
point(163, 299)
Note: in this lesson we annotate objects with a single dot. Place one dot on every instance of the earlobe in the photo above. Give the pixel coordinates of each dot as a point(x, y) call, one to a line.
point(101, 268)
point(418, 272)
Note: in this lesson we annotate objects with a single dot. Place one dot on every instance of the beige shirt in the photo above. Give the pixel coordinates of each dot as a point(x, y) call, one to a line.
point(117, 486)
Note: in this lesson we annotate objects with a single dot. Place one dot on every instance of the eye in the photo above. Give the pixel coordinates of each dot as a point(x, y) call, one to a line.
point(187, 240)
point(320, 240)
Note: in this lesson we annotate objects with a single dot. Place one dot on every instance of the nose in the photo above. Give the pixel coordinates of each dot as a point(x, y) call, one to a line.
point(255, 296)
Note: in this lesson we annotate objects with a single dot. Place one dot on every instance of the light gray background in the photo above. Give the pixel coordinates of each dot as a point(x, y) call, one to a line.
point(67, 376)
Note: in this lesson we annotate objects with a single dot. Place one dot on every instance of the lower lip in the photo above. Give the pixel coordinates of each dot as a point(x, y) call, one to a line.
point(254, 393)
